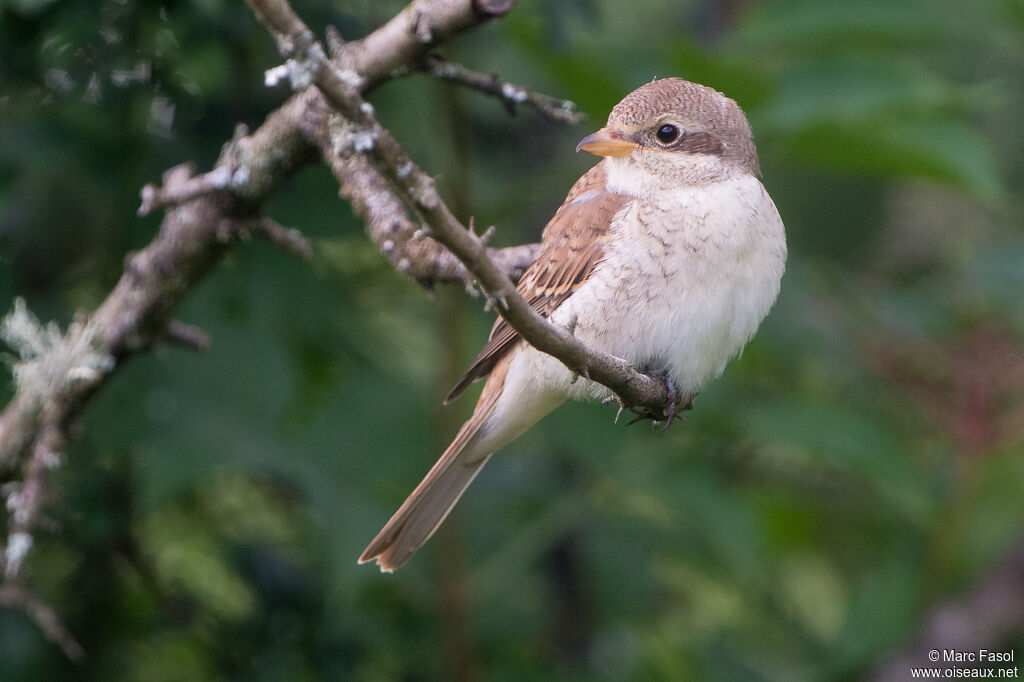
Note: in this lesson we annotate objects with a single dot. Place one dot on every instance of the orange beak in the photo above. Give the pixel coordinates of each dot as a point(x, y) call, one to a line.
point(607, 142)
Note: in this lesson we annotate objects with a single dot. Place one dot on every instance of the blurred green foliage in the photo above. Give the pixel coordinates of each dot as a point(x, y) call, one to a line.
point(859, 463)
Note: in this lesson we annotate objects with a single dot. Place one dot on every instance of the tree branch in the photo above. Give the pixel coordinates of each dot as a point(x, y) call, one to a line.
point(412, 33)
point(19, 597)
point(360, 133)
point(561, 110)
point(56, 373)
point(208, 219)
point(401, 239)
point(172, 194)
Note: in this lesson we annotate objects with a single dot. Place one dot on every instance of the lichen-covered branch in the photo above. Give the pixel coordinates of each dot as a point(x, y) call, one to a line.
point(402, 239)
point(358, 132)
point(213, 213)
point(412, 33)
point(57, 372)
point(169, 194)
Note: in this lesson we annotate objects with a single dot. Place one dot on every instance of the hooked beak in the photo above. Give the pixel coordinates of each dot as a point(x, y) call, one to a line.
point(607, 142)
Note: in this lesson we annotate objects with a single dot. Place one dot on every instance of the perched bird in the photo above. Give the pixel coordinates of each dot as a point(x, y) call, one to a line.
point(668, 253)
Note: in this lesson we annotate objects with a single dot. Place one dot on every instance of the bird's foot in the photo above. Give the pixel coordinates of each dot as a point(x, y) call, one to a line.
point(675, 404)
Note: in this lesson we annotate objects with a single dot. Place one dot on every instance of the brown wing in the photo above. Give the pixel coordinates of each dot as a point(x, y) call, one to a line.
point(573, 243)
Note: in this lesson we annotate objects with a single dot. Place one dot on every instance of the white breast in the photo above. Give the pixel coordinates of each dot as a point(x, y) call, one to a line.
point(684, 284)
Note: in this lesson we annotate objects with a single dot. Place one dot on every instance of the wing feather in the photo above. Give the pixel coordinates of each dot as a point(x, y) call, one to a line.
point(572, 246)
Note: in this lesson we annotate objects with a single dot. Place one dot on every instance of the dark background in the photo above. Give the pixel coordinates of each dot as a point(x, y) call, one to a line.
point(859, 465)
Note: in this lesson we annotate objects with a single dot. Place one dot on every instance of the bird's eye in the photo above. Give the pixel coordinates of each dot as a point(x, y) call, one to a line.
point(667, 134)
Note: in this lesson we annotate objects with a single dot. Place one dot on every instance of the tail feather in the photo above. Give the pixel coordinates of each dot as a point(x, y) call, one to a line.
point(436, 495)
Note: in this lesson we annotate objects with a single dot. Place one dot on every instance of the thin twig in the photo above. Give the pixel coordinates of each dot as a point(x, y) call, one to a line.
point(173, 193)
point(560, 110)
point(287, 238)
point(17, 596)
point(187, 335)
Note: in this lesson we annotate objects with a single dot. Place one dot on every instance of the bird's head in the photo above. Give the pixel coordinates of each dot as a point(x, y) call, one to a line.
point(672, 127)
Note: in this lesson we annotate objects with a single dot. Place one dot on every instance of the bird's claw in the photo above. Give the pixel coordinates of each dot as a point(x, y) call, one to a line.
point(670, 411)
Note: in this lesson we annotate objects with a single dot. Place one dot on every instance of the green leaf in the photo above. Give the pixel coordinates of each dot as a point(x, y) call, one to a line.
point(787, 26)
point(948, 151)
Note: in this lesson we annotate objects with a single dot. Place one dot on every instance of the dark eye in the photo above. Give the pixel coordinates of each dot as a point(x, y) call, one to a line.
point(667, 134)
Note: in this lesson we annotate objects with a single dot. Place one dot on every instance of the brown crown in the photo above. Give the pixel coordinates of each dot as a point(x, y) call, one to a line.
point(706, 109)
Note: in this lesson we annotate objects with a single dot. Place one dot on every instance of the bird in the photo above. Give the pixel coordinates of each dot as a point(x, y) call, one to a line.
point(668, 253)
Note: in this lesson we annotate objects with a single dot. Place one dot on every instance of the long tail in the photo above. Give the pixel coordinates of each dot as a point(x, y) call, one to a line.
point(436, 495)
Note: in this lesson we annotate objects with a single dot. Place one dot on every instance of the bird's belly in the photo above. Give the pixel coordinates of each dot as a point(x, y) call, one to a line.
point(681, 300)
point(689, 328)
